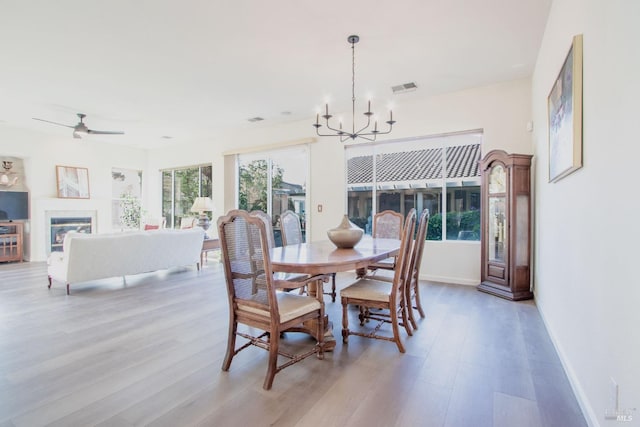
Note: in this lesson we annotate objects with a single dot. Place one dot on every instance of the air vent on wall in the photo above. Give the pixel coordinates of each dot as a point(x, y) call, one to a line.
point(407, 87)
point(255, 119)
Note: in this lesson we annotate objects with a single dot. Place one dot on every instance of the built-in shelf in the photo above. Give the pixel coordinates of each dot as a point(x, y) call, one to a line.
point(11, 241)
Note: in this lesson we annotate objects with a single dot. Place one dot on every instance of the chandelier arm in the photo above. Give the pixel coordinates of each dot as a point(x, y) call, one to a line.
point(380, 132)
point(365, 127)
point(335, 130)
point(338, 133)
point(364, 136)
point(377, 133)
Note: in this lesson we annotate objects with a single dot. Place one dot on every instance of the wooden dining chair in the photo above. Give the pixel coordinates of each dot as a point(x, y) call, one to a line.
point(268, 224)
point(412, 295)
point(254, 298)
point(291, 229)
point(412, 290)
point(292, 235)
point(387, 224)
point(370, 293)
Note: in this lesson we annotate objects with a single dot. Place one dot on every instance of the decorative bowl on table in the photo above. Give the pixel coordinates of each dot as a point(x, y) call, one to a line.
point(346, 235)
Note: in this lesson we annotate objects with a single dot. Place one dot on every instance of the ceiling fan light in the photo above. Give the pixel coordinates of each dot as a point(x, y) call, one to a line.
point(81, 128)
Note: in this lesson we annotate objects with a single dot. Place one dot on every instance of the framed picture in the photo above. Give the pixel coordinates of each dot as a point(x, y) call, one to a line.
point(565, 116)
point(73, 183)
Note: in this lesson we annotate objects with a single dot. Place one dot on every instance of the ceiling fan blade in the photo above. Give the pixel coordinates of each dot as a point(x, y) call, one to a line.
point(104, 132)
point(53, 123)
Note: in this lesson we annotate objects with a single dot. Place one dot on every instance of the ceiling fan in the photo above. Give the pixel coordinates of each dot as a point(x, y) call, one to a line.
point(81, 128)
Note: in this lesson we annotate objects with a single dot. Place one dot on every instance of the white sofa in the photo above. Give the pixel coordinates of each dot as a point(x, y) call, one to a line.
point(88, 257)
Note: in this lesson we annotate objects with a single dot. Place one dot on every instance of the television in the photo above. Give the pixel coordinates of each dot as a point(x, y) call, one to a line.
point(14, 205)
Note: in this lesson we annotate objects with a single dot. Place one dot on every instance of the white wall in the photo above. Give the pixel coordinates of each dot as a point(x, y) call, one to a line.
point(501, 110)
point(586, 234)
point(41, 153)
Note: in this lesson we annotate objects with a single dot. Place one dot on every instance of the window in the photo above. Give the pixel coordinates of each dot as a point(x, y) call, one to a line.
point(180, 187)
point(408, 174)
point(274, 182)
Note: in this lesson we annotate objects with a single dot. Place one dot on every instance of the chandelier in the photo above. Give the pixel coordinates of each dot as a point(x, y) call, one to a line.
point(365, 132)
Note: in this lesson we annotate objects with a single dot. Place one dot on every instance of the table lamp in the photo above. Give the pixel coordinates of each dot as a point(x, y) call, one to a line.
point(202, 205)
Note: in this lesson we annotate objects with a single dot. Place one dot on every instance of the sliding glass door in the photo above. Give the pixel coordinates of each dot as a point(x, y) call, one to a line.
point(273, 182)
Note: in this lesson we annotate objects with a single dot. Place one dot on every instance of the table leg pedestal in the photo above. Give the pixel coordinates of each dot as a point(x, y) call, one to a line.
point(329, 340)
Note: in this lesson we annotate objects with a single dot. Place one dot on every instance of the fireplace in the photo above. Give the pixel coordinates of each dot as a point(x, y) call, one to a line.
point(59, 223)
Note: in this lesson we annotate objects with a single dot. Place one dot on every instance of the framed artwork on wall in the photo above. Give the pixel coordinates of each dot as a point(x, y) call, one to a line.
point(73, 182)
point(565, 116)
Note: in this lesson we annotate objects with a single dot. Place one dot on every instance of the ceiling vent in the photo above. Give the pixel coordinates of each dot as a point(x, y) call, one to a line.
point(255, 119)
point(407, 87)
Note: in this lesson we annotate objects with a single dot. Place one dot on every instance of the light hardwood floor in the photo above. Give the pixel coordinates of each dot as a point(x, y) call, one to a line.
point(149, 352)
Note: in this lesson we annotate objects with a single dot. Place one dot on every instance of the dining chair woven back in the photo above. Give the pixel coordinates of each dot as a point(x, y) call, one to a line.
point(253, 299)
point(291, 229)
point(387, 224)
point(268, 224)
point(413, 290)
point(370, 293)
point(292, 235)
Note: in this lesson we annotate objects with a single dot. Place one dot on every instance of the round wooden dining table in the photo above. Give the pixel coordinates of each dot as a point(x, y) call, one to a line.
point(323, 257)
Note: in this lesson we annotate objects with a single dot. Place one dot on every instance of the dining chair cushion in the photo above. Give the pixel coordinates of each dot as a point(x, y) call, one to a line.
point(290, 306)
point(381, 274)
point(368, 289)
point(385, 264)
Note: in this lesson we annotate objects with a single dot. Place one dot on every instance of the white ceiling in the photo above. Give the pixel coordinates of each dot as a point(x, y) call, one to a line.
point(190, 69)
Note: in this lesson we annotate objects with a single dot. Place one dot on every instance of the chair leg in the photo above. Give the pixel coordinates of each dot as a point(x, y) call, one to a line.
point(409, 310)
point(67, 289)
point(418, 303)
point(412, 319)
point(231, 345)
point(396, 331)
point(333, 287)
point(407, 314)
point(274, 341)
point(364, 314)
point(320, 332)
point(49, 283)
point(345, 322)
point(406, 318)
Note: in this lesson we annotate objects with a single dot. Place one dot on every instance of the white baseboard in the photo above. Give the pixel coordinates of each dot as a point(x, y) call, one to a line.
point(447, 279)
